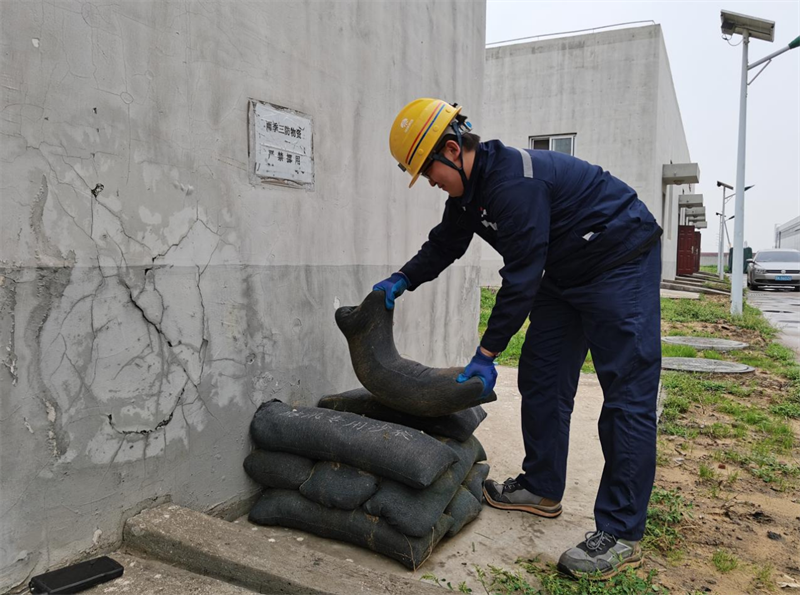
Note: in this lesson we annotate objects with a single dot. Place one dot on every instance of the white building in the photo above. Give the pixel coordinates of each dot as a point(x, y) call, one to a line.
point(154, 287)
point(605, 97)
point(788, 234)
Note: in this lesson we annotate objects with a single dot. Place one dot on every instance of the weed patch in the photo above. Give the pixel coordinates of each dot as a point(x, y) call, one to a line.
point(666, 512)
point(724, 561)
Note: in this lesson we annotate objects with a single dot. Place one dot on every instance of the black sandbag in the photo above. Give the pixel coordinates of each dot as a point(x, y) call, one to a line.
point(278, 469)
point(475, 478)
point(460, 425)
point(286, 508)
point(464, 509)
point(414, 512)
point(339, 486)
point(400, 383)
point(389, 450)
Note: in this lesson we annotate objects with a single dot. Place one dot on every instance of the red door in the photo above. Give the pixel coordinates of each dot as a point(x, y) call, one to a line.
point(696, 252)
point(685, 249)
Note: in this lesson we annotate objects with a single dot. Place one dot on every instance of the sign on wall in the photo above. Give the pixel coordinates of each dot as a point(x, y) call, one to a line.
point(281, 149)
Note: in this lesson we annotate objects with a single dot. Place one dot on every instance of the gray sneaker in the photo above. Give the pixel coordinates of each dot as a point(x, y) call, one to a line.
point(510, 495)
point(600, 556)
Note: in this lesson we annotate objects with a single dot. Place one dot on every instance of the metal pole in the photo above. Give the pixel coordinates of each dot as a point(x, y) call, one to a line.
point(738, 224)
point(720, 267)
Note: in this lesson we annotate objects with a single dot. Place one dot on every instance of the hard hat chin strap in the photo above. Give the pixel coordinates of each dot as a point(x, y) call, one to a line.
point(442, 159)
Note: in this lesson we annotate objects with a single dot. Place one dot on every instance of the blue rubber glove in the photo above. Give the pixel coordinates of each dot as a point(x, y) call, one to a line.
point(394, 287)
point(481, 366)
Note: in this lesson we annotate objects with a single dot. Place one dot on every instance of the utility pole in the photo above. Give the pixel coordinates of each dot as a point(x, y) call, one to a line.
point(720, 260)
point(746, 26)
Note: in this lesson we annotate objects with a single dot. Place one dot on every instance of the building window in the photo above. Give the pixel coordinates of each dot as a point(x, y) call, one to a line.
point(561, 143)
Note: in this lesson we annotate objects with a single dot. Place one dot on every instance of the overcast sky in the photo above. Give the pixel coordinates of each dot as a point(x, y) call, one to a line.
point(706, 74)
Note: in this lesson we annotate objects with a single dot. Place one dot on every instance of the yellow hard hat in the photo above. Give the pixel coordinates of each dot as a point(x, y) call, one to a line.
point(416, 131)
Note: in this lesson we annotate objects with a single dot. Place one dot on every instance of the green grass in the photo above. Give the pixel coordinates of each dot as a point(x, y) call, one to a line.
point(667, 510)
point(786, 409)
point(762, 463)
point(709, 268)
point(704, 310)
point(499, 581)
point(764, 577)
point(677, 429)
point(670, 350)
point(706, 473)
point(724, 561)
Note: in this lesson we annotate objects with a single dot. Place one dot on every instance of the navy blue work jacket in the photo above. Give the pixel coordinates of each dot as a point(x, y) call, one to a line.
point(542, 211)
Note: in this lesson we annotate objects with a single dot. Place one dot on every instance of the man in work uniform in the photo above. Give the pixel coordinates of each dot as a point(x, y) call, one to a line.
point(582, 257)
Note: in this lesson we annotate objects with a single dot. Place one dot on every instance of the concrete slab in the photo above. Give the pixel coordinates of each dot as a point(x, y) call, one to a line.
point(708, 366)
point(675, 294)
point(148, 577)
point(678, 286)
point(497, 537)
point(236, 554)
point(705, 343)
point(782, 309)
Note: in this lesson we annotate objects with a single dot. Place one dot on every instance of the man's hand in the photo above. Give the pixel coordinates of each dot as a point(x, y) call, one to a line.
point(482, 366)
point(394, 286)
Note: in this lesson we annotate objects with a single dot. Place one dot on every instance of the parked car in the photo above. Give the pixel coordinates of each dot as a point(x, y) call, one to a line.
point(774, 268)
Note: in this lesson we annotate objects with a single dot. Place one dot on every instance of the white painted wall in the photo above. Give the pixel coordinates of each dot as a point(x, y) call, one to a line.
point(144, 322)
point(788, 234)
point(612, 88)
point(669, 147)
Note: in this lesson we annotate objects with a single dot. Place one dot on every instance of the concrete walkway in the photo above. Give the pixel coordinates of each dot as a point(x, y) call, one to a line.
point(498, 538)
point(782, 309)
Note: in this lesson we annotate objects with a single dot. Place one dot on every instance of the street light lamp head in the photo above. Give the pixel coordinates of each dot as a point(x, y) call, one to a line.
point(724, 185)
point(734, 23)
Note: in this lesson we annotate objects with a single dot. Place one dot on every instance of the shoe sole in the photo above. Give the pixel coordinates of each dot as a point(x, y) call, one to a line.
point(596, 576)
point(550, 513)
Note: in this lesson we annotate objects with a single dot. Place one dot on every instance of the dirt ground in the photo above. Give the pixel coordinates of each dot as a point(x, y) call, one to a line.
point(732, 510)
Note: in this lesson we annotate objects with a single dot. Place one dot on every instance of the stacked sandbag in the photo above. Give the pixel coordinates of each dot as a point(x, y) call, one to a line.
point(345, 471)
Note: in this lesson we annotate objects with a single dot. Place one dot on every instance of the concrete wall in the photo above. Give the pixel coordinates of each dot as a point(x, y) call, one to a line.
point(669, 147)
point(708, 259)
point(150, 296)
point(613, 89)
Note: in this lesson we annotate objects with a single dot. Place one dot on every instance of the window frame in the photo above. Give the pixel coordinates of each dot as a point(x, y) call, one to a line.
point(552, 137)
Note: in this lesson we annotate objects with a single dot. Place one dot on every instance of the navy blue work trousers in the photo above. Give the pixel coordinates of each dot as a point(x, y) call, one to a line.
point(617, 316)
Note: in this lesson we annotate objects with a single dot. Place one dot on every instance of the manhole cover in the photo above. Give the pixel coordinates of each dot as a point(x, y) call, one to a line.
point(692, 364)
point(705, 343)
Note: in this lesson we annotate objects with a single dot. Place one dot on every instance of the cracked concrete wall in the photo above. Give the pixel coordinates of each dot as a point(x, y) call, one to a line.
point(150, 296)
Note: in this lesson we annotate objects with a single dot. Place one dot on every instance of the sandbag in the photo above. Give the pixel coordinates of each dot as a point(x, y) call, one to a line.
point(286, 508)
point(339, 486)
point(414, 512)
point(464, 509)
point(460, 425)
point(389, 450)
point(475, 478)
point(278, 469)
point(397, 382)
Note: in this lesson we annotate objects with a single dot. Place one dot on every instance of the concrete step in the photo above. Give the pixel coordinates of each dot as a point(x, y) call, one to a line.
point(678, 286)
point(143, 576)
point(704, 275)
point(239, 555)
point(699, 281)
point(683, 295)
